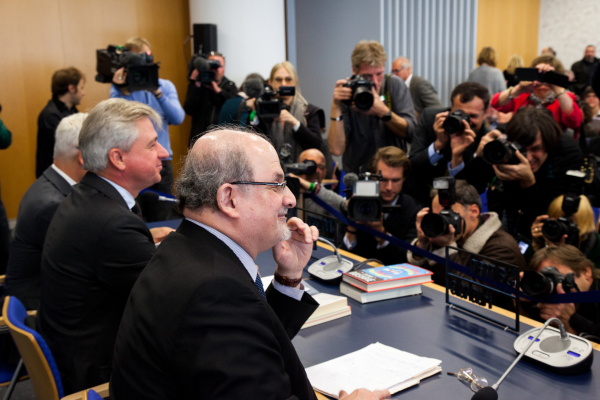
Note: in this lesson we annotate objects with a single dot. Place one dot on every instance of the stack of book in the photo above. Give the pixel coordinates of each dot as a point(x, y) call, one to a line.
point(330, 307)
point(382, 283)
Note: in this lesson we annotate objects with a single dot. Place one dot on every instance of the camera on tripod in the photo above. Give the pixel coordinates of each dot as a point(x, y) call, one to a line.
point(501, 151)
point(536, 283)
point(268, 106)
point(434, 225)
point(142, 71)
point(555, 229)
point(362, 94)
point(453, 124)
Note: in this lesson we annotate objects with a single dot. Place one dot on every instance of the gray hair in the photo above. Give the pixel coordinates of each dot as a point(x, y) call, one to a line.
point(111, 124)
point(67, 136)
point(209, 165)
point(406, 64)
point(465, 194)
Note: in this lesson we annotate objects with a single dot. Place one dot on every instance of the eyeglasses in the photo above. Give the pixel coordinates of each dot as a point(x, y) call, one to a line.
point(279, 79)
point(466, 375)
point(282, 184)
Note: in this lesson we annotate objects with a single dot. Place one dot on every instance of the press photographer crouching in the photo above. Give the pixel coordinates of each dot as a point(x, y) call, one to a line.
point(567, 259)
point(394, 167)
point(455, 219)
point(526, 180)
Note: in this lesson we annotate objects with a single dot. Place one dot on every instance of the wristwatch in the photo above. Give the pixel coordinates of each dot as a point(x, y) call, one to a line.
point(285, 281)
point(387, 117)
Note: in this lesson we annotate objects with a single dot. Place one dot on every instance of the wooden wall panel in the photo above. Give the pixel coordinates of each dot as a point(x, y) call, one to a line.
point(38, 37)
point(509, 26)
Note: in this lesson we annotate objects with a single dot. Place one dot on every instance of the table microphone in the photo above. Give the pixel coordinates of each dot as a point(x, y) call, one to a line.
point(491, 392)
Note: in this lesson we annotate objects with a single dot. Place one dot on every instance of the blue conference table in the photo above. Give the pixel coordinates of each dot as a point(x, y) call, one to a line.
point(426, 326)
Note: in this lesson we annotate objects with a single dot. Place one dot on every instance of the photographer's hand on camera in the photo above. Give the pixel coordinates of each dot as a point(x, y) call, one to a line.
point(489, 137)
point(424, 242)
point(459, 143)
point(287, 118)
point(119, 79)
point(563, 311)
point(521, 172)
point(441, 136)
point(378, 109)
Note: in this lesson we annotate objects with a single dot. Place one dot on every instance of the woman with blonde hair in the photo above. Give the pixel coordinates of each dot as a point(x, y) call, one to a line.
point(584, 218)
point(487, 74)
point(515, 61)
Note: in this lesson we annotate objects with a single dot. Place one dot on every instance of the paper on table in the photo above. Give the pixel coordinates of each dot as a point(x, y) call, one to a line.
point(374, 367)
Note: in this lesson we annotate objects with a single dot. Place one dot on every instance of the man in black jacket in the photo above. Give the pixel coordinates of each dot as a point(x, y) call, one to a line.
point(394, 166)
point(203, 102)
point(36, 210)
point(67, 90)
point(585, 70)
point(97, 245)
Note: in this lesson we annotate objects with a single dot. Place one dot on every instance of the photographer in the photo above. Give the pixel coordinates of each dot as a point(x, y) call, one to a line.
point(203, 102)
point(358, 133)
point(237, 110)
point(588, 239)
point(436, 152)
point(538, 173)
point(560, 102)
point(165, 102)
point(299, 123)
point(481, 233)
point(577, 318)
point(395, 167)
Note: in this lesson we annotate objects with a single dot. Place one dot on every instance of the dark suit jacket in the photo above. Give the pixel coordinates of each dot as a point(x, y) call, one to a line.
point(423, 94)
point(36, 210)
point(401, 226)
point(94, 251)
point(196, 327)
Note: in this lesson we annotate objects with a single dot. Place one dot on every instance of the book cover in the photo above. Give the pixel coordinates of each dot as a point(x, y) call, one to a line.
point(387, 277)
point(368, 297)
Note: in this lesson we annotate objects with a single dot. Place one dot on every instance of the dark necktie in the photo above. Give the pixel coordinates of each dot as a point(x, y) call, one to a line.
point(137, 210)
point(259, 285)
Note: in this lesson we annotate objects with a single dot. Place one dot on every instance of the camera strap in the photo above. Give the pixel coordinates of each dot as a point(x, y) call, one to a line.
point(387, 95)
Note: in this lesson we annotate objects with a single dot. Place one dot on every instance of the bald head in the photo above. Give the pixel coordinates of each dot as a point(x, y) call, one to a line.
point(318, 157)
point(402, 68)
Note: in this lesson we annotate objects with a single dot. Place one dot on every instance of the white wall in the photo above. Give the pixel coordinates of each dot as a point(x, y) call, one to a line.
point(251, 34)
point(569, 26)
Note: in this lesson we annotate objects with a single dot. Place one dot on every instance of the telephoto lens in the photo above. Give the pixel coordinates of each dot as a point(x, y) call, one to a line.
point(434, 225)
point(453, 123)
point(499, 152)
point(534, 284)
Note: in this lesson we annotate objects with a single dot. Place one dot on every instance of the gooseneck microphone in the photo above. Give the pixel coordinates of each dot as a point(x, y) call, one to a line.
point(562, 342)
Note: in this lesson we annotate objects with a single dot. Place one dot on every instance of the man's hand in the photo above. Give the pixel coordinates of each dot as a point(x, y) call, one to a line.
point(536, 232)
point(341, 93)
point(287, 118)
point(304, 184)
point(378, 109)
point(442, 137)
point(364, 394)
point(446, 239)
point(194, 77)
point(119, 78)
point(521, 172)
point(562, 311)
point(459, 143)
point(213, 86)
point(293, 254)
point(422, 240)
point(377, 225)
point(489, 137)
point(159, 234)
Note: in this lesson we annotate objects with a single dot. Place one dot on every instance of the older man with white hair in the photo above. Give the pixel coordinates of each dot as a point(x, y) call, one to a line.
point(96, 244)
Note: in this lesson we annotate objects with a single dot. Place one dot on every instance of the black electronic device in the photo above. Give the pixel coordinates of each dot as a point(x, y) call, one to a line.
point(331, 268)
point(545, 282)
point(453, 124)
point(365, 204)
point(268, 106)
point(307, 167)
point(141, 70)
point(533, 74)
point(434, 225)
point(206, 69)
point(500, 151)
point(362, 95)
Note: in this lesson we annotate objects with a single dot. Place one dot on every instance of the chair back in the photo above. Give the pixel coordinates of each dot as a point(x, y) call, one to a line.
point(91, 395)
point(34, 351)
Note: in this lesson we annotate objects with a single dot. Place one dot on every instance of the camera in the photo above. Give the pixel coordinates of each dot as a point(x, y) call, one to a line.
point(555, 229)
point(365, 205)
point(500, 151)
point(142, 71)
point(538, 283)
point(308, 167)
point(362, 96)
point(434, 225)
point(206, 69)
point(453, 124)
point(267, 106)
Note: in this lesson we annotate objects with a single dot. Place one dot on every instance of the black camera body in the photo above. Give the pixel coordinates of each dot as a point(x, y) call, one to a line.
point(500, 151)
point(307, 167)
point(434, 225)
point(555, 229)
point(453, 124)
point(269, 107)
point(142, 71)
point(545, 282)
point(362, 94)
point(209, 76)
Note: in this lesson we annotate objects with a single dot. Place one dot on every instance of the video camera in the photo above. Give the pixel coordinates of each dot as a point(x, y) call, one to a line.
point(142, 71)
point(434, 225)
point(555, 229)
point(362, 96)
point(536, 283)
point(365, 205)
point(267, 106)
point(500, 151)
point(453, 124)
point(206, 69)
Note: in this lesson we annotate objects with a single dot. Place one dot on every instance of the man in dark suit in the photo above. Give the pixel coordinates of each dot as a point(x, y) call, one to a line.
point(436, 153)
point(422, 92)
point(198, 323)
point(67, 91)
point(96, 245)
point(394, 166)
point(36, 210)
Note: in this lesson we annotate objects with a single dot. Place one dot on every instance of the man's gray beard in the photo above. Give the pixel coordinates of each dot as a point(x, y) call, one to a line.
point(283, 232)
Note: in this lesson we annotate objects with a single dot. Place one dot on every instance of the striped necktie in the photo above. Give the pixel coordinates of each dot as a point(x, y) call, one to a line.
point(259, 285)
